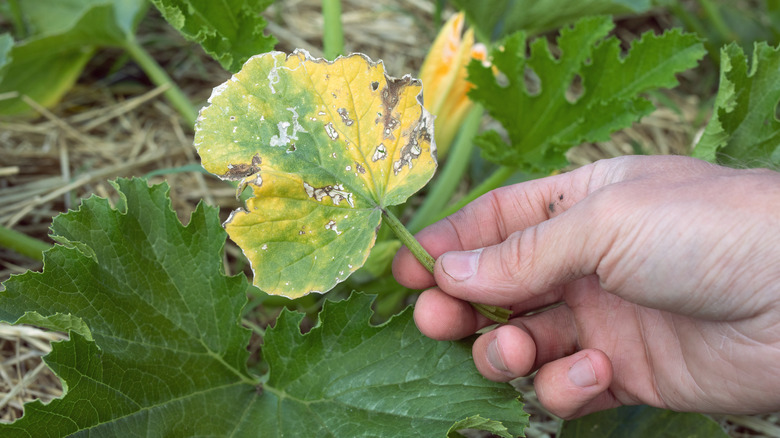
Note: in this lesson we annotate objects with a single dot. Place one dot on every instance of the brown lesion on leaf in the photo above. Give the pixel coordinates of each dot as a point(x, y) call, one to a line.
point(412, 149)
point(360, 168)
point(336, 193)
point(345, 116)
point(242, 170)
point(390, 98)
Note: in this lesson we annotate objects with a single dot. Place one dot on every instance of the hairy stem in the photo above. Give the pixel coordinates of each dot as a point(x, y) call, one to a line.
point(494, 313)
point(160, 77)
point(22, 243)
point(452, 172)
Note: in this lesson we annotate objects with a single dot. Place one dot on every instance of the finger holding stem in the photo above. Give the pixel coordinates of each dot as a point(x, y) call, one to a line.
point(494, 313)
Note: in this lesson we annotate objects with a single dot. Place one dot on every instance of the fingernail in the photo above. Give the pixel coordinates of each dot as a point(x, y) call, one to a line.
point(460, 265)
point(582, 373)
point(494, 357)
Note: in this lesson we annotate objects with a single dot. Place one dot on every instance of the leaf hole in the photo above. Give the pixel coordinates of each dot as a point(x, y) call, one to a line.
point(576, 89)
point(533, 84)
point(777, 111)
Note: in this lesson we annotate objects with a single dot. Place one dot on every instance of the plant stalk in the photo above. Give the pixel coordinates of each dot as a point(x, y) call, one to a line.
point(333, 32)
point(22, 243)
point(494, 313)
point(160, 77)
point(452, 172)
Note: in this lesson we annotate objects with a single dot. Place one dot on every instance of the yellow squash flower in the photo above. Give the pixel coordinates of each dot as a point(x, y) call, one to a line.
point(444, 79)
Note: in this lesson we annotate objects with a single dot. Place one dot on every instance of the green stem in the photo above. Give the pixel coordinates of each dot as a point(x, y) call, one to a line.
point(254, 327)
point(494, 181)
point(333, 32)
point(160, 77)
point(494, 313)
point(409, 241)
point(452, 172)
point(22, 243)
point(15, 11)
point(716, 18)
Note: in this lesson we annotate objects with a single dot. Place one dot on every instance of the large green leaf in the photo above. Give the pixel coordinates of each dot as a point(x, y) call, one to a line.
point(548, 115)
point(642, 422)
point(498, 18)
point(744, 130)
point(156, 347)
point(325, 146)
point(230, 31)
point(352, 379)
point(63, 37)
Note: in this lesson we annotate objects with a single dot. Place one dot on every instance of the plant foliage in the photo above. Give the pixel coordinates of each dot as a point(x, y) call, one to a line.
point(59, 38)
point(642, 422)
point(549, 111)
point(498, 18)
point(325, 147)
point(156, 347)
point(744, 130)
point(230, 31)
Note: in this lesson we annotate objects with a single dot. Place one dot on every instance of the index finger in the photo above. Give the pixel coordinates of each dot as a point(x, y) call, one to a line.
point(491, 218)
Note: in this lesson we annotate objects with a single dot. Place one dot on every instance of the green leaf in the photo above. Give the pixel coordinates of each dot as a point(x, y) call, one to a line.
point(642, 422)
point(64, 36)
point(744, 130)
point(168, 348)
point(385, 380)
point(230, 31)
point(325, 147)
point(550, 112)
point(156, 347)
point(498, 18)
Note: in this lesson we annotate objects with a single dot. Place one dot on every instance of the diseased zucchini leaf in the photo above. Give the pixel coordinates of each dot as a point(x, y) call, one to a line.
point(156, 347)
point(744, 130)
point(642, 422)
point(550, 112)
point(63, 37)
point(325, 147)
point(230, 31)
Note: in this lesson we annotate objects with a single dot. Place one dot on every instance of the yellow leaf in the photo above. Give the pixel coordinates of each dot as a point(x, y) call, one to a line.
point(325, 147)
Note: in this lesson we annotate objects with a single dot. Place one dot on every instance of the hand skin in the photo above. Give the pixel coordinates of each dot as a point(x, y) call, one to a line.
point(668, 274)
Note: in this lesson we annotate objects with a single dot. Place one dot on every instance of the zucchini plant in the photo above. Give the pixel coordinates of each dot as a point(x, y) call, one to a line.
point(329, 150)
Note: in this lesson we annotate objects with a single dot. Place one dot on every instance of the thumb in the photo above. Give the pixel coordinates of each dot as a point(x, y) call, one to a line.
point(529, 263)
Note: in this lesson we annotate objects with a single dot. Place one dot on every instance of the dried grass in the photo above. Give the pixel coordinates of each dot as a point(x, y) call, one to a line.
point(111, 127)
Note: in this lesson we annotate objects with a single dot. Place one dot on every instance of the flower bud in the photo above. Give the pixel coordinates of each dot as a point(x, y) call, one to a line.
point(444, 79)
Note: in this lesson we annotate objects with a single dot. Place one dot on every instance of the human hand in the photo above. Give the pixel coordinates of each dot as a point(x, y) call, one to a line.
point(667, 268)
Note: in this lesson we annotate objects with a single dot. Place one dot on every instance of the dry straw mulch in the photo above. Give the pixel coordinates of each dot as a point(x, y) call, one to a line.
point(118, 125)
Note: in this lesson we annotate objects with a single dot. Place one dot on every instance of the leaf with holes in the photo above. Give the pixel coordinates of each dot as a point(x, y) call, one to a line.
point(585, 93)
point(156, 346)
point(325, 147)
point(744, 130)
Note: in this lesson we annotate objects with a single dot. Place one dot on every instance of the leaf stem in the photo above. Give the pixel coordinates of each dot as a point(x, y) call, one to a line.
point(333, 32)
point(160, 77)
point(714, 16)
point(409, 241)
point(494, 313)
point(452, 172)
point(22, 243)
